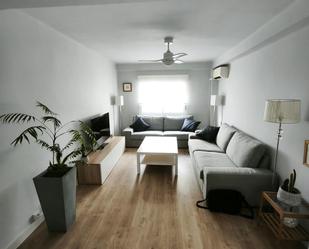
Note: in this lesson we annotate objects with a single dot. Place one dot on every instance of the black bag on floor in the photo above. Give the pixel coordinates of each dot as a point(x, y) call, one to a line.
point(226, 201)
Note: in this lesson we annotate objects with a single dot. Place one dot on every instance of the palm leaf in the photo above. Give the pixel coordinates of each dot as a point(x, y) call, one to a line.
point(69, 144)
point(76, 136)
point(71, 155)
point(55, 121)
point(45, 109)
point(56, 149)
point(56, 152)
point(16, 118)
point(89, 133)
point(31, 131)
point(44, 145)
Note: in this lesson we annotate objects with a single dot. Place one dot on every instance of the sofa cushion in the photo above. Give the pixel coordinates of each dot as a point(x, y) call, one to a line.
point(174, 123)
point(208, 134)
point(206, 159)
point(201, 145)
point(190, 125)
point(245, 151)
point(224, 136)
point(139, 125)
point(181, 135)
point(265, 161)
point(140, 135)
point(156, 123)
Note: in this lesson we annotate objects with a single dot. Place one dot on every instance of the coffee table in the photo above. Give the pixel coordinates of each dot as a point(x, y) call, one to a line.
point(158, 151)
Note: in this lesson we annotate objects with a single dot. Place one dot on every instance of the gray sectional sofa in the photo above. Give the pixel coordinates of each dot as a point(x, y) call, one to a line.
point(159, 126)
point(236, 161)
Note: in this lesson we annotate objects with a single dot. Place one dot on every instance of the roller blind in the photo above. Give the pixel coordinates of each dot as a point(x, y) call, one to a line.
point(162, 94)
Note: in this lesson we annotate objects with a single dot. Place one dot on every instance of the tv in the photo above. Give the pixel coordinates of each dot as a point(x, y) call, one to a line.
point(101, 128)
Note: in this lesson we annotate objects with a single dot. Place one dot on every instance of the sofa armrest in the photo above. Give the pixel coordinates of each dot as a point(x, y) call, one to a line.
point(127, 131)
point(193, 134)
point(249, 181)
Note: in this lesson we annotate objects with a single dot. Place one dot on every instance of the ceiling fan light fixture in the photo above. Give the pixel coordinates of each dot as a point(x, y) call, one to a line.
point(168, 39)
point(178, 62)
point(169, 57)
point(168, 62)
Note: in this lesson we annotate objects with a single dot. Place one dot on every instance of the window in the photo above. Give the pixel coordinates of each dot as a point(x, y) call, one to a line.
point(163, 94)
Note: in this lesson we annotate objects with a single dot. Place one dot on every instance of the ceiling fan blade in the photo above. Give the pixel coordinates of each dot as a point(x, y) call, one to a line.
point(150, 60)
point(178, 55)
point(178, 61)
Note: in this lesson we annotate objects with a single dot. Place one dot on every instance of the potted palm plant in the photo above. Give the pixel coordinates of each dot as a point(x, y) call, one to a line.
point(55, 186)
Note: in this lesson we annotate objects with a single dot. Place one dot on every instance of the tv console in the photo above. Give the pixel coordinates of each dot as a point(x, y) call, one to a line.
point(101, 162)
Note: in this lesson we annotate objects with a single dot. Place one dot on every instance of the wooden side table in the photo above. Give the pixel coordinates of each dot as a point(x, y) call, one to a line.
point(273, 214)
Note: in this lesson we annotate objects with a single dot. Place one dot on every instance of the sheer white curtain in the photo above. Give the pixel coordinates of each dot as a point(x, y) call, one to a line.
point(163, 94)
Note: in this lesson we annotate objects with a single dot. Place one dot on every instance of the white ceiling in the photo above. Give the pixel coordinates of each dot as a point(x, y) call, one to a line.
point(130, 30)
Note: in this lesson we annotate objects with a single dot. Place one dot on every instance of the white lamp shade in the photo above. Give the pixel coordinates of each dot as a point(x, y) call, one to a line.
point(215, 100)
point(119, 100)
point(285, 111)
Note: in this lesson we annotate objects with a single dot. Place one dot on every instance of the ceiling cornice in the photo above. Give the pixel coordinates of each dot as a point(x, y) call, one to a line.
point(23, 4)
point(158, 66)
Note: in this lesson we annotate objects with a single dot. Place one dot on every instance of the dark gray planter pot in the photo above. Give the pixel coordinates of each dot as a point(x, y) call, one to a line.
point(57, 196)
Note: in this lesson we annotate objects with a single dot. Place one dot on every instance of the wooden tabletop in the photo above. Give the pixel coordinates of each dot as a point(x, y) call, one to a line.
point(97, 156)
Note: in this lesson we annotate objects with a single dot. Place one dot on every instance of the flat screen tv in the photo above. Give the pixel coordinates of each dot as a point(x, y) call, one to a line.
point(101, 128)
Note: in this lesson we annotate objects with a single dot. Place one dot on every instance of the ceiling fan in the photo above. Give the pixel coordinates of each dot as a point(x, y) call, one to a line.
point(169, 57)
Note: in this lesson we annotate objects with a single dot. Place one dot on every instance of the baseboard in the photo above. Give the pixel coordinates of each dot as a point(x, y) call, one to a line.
point(25, 234)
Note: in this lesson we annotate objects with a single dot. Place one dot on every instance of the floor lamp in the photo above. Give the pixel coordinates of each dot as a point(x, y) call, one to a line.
point(120, 103)
point(281, 111)
point(215, 100)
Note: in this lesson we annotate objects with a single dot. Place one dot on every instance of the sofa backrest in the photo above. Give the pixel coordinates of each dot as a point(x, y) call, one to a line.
point(224, 136)
point(168, 123)
point(155, 122)
point(265, 161)
point(245, 151)
point(174, 123)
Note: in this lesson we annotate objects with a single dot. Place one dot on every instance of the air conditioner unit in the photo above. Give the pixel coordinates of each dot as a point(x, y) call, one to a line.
point(220, 72)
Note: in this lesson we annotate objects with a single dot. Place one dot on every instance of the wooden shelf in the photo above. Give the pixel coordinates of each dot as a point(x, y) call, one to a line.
point(274, 216)
point(158, 160)
point(284, 233)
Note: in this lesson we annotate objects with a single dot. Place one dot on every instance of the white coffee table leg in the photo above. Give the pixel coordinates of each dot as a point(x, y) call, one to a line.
point(176, 164)
point(138, 163)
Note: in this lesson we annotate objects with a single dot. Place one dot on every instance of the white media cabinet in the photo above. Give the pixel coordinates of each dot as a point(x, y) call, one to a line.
point(101, 162)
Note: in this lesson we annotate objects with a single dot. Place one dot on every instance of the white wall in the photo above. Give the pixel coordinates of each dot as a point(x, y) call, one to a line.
point(38, 63)
point(199, 87)
point(272, 63)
